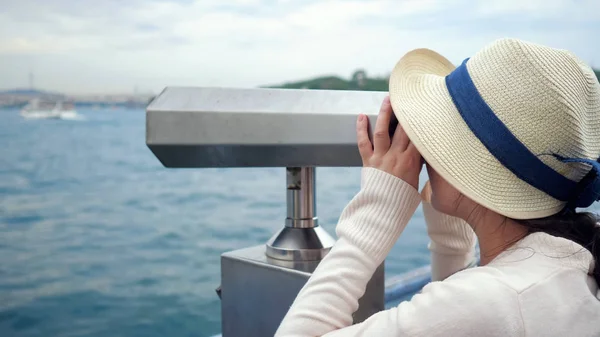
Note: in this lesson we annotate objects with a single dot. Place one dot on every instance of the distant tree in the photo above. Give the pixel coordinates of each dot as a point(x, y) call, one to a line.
point(358, 78)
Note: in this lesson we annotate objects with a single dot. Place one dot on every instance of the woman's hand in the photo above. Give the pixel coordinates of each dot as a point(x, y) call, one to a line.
point(397, 156)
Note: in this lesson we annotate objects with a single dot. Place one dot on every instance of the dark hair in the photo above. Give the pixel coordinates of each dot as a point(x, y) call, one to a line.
point(581, 228)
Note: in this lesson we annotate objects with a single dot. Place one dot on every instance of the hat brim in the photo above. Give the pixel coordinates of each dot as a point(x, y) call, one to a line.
point(424, 108)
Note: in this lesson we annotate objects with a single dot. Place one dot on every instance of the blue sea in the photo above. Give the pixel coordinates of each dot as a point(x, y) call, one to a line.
point(98, 239)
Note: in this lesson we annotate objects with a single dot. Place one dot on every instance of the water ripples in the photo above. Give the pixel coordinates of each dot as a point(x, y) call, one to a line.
point(98, 239)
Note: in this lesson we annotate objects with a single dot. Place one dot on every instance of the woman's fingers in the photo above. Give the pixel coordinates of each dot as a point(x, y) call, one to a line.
point(400, 140)
point(381, 136)
point(362, 136)
point(400, 159)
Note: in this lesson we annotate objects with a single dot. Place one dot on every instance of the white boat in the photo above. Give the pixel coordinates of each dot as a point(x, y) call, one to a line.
point(48, 109)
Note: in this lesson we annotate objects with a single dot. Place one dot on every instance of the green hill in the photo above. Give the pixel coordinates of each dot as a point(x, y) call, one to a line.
point(358, 81)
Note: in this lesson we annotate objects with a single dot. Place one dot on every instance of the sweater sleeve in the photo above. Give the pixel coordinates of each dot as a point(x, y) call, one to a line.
point(451, 240)
point(368, 228)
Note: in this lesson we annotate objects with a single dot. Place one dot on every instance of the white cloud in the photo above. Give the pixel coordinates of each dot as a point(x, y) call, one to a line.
point(80, 46)
point(553, 9)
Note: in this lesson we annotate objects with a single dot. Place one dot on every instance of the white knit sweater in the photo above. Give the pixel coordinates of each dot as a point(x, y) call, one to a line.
point(539, 287)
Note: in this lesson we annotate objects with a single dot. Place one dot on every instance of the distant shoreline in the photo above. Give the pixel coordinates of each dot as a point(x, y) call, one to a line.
point(17, 98)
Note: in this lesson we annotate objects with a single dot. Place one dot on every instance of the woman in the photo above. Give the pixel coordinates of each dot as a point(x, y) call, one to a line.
point(511, 140)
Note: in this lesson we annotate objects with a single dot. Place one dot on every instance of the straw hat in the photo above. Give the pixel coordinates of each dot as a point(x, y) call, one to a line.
point(516, 127)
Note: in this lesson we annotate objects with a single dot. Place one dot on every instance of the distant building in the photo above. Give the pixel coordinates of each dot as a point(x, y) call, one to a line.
point(20, 97)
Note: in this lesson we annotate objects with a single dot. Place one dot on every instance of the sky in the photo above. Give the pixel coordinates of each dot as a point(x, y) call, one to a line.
point(110, 46)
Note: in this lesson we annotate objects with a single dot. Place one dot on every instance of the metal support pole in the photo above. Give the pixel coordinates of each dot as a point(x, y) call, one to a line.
point(301, 239)
point(301, 203)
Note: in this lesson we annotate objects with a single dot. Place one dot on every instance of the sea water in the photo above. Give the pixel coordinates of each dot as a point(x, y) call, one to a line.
point(98, 239)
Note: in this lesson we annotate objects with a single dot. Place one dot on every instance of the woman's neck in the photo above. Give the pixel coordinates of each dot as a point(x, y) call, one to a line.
point(495, 232)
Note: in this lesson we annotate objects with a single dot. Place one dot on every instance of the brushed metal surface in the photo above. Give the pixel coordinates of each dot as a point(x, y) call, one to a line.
point(300, 244)
point(221, 127)
point(256, 293)
point(301, 239)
